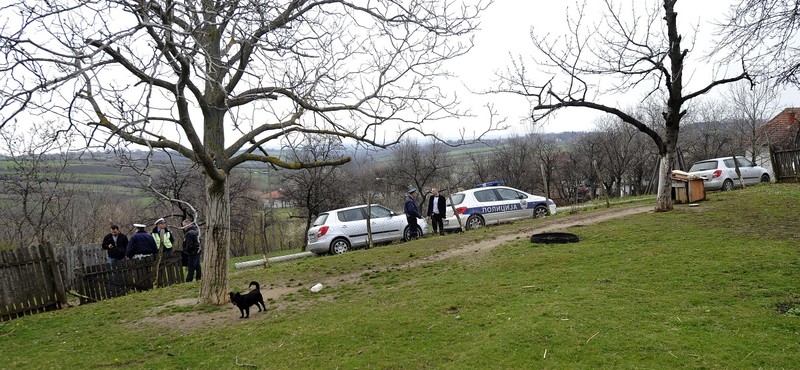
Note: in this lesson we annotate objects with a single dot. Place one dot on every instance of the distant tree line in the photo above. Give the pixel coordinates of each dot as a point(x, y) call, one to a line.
point(40, 197)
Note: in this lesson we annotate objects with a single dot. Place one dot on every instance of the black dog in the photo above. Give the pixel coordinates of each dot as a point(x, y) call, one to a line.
point(244, 301)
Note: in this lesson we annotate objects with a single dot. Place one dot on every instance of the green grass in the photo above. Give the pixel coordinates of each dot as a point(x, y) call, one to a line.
point(708, 287)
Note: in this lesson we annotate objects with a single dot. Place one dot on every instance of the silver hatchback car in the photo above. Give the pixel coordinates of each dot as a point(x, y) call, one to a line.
point(720, 173)
point(340, 230)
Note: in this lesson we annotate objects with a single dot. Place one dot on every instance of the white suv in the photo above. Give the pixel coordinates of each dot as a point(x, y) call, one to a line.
point(339, 230)
point(494, 204)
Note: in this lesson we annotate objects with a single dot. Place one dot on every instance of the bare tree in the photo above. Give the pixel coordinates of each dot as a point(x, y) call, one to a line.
point(514, 164)
point(752, 106)
point(763, 35)
point(642, 53)
point(170, 180)
point(419, 166)
point(38, 189)
point(217, 80)
point(317, 189)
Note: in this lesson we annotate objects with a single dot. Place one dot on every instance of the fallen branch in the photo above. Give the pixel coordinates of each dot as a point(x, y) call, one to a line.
point(592, 337)
point(238, 364)
point(82, 296)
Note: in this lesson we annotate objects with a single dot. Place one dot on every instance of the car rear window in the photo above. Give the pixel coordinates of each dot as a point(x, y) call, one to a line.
point(457, 199)
point(321, 219)
point(704, 166)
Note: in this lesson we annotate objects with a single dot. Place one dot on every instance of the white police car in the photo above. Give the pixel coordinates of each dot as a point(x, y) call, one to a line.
point(490, 204)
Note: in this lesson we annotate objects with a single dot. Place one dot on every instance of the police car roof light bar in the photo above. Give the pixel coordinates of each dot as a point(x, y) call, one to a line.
point(491, 183)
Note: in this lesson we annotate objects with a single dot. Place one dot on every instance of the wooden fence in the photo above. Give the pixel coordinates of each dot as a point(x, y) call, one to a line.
point(38, 279)
point(786, 165)
point(98, 282)
point(30, 282)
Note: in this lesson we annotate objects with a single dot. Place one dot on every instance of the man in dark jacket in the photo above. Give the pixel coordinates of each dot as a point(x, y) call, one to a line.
point(412, 213)
point(191, 247)
point(115, 243)
point(141, 243)
point(436, 211)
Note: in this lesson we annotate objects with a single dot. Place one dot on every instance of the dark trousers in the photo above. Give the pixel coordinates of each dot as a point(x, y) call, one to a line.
point(193, 267)
point(438, 225)
point(412, 225)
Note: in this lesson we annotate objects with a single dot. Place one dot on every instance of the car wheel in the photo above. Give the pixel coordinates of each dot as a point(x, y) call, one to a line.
point(408, 235)
point(540, 212)
point(339, 246)
point(765, 178)
point(727, 185)
point(474, 222)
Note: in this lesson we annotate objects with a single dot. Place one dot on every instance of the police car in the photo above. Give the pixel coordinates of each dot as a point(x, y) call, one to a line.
point(491, 203)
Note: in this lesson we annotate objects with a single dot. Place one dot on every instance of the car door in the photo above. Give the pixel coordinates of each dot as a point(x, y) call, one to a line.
point(515, 204)
point(386, 225)
point(490, 205)
point(749, 173)
point(353, 223)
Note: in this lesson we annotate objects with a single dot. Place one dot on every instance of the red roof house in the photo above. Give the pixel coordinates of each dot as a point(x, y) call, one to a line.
point(782, 130)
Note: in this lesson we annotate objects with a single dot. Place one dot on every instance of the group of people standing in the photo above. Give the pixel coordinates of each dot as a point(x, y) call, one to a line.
point(436, 211)
point(142, 244)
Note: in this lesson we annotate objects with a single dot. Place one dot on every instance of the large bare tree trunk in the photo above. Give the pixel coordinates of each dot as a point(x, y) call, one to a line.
point(214, 285)
point(664, 198)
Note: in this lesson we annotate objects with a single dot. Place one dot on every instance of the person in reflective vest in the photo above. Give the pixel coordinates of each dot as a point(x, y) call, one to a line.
point(163, 236)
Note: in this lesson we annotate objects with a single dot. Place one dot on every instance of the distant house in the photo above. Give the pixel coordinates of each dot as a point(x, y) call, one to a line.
point(782, 130)
point(276, 199)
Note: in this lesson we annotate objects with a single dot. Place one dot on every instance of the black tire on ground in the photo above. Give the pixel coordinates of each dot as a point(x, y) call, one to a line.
point(474, 222)
point(765, 178)
point(339, 246)
point(554, 238)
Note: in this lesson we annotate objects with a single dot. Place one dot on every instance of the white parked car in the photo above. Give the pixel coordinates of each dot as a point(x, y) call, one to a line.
point(494, 204)
point(720, 173)
point(340, 230)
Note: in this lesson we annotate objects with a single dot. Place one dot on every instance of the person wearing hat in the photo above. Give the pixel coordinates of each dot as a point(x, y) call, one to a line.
point(163, 236)
point(412, 212)
point(141, 243)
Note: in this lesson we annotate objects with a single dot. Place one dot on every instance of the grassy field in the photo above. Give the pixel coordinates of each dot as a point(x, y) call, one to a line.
point(707, 287)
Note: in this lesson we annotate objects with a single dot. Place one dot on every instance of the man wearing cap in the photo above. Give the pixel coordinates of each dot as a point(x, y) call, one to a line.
point(141, 243)
point(412, 213)
point(163, 236)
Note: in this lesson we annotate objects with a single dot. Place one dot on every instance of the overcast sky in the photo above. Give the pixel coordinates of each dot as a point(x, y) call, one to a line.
point(505, 31)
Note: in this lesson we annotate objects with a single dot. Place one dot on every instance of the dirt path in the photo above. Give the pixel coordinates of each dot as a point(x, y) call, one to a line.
point(230, 315)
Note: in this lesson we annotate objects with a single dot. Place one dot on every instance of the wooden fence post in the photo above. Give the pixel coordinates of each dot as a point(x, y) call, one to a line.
point(58, 282)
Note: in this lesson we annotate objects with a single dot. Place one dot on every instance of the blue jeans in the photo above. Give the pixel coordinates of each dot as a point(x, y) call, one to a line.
point(112, 260)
